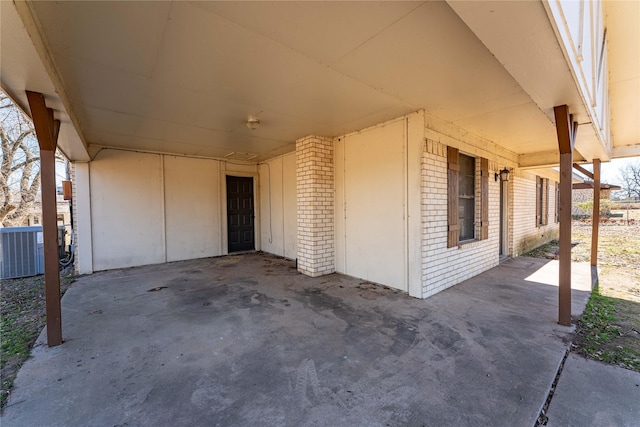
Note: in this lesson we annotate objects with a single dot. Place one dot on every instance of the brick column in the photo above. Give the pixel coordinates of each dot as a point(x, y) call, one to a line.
point(314, 178)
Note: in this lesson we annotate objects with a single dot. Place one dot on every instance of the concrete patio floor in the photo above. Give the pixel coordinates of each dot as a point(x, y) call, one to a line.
point(246, 340)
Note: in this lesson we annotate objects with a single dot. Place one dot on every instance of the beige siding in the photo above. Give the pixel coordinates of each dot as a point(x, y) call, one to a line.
point(278, 205)
point(153, 208)
point(192, 201)
point(377, 203)
point(127, 211)
point(375, 199)
point(289, 205)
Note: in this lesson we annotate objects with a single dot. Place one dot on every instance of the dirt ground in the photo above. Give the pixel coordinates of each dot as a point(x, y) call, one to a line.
point(610, 329)
point(618, 255)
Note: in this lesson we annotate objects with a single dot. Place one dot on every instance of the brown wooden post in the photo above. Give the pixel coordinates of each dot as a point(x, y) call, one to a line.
point(566, 131)
point(47, 133)
point(595, 222)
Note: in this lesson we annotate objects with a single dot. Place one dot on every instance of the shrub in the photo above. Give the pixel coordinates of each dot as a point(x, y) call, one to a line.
point(605, 207)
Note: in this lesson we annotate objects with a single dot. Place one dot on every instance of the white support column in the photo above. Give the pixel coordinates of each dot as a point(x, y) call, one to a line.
point(315, 200)
point(82, 218)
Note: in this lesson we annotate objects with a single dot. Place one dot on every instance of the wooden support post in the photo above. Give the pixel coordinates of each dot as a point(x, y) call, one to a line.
point(47, 133)
point(595, 221)
point(564, 293)
point(583, 170)
point(566, 131)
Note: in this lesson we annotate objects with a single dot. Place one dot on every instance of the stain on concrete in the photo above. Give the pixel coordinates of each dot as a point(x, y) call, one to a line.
point(289, 350)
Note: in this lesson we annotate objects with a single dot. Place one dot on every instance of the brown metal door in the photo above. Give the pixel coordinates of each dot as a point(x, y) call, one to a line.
point(240, 215)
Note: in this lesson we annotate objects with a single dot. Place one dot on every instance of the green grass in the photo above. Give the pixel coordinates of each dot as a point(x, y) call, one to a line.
point(17, 329)
point(16, 340)
point(22, 318)
point(602, 336)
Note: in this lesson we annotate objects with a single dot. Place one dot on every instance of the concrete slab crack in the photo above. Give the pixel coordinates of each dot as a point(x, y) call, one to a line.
point(543, 419)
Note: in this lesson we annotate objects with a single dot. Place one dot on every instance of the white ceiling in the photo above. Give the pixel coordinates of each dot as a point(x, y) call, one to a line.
point(624, 70)
point(182, 77)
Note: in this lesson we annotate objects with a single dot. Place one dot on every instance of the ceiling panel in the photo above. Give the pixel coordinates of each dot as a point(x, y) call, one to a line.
point(205, 53)
point(447, 71)
point(100, 119)
point(376, 117)
point(521, 132)
point(323, 31)
point(166, 131)
point(257, 71)
point(122, 35)
point(96, 85)
point(197, 109)
point(111, 139)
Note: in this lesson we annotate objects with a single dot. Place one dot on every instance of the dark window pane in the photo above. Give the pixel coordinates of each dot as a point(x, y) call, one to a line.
point(466, 194)
point(466, 229)
point(467, 187)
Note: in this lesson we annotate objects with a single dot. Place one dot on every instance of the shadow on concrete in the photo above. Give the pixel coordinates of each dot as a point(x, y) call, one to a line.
point(246, 340)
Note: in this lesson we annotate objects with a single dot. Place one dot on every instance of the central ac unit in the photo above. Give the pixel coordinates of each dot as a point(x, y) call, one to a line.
point(21, 252)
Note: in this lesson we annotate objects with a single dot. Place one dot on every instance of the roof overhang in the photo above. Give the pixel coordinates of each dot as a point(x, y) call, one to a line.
point(182, 77)
point(25, 65)
point(590, 185)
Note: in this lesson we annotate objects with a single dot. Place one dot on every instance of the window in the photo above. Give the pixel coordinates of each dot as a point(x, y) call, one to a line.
point(467, 197)
point(542, 201)
point(36, 220)
point(464, 206)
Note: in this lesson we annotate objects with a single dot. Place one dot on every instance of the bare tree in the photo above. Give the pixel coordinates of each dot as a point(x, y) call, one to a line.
point(630, 177)
point(20, 167)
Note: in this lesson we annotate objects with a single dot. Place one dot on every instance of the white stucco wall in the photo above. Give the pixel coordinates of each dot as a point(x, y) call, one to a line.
point(152, 208)
point(377, 203)
point(278, 205)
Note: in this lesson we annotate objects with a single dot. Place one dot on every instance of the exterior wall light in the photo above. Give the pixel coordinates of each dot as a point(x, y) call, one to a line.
point(253, 123)
point(503, 175)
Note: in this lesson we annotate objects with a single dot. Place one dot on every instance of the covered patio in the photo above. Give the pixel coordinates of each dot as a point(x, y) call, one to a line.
point(159, 104)
point(246, 340)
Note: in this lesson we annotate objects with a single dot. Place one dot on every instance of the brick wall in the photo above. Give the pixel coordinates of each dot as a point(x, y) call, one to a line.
point(315, 201)
point(586, 195)
point(444, 267)
point(74, 215)
point(526, 234)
